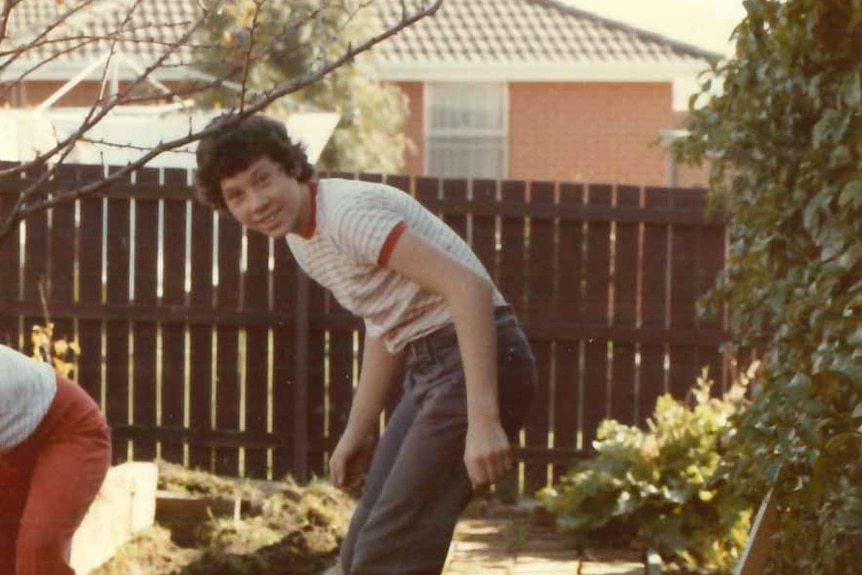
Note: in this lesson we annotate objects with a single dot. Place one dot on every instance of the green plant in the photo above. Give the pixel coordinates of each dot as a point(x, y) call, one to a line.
point(60, 353)
point(657, 486)
point(785, 142)
point(287, 39)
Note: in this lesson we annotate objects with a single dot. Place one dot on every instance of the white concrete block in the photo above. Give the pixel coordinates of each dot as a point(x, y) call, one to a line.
point(125, 505)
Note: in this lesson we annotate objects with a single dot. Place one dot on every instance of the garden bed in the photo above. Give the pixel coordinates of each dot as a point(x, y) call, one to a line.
point(210, 525)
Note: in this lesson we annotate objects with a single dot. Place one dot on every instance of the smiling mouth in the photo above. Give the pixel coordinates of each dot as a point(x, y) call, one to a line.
point(269, 220)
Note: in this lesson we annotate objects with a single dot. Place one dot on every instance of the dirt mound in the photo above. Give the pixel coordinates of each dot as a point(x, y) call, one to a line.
point(285, 529)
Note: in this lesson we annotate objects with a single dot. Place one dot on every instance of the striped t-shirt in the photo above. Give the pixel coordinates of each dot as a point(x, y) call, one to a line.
point(27, 389)
point(356, 225)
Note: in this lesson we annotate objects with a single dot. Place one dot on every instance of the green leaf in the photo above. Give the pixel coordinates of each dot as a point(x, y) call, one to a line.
point(851, 90)
point(772, 472)
point(831, 127)
point(851, 194)
point(852, 371)
point(843, 442)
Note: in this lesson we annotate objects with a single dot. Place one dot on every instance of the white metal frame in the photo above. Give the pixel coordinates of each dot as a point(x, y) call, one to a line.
point(426, 124)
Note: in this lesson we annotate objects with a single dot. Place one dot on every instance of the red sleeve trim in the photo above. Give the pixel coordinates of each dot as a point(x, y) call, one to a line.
point(308, 233)
point(390, 242)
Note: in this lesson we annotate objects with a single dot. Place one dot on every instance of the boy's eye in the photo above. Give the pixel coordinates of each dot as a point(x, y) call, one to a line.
point(260, 178)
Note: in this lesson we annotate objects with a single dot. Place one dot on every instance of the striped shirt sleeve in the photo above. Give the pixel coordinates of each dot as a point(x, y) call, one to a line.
point(368, 227)
point(27, 388)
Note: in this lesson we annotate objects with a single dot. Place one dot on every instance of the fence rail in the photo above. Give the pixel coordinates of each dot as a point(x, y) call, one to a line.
point(204, 345)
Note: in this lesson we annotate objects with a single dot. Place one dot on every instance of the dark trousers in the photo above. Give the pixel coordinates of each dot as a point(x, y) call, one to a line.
point(417, 484)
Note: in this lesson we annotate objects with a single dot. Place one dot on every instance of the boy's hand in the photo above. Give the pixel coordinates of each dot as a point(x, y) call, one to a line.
point(350, 460)
point(488, 455)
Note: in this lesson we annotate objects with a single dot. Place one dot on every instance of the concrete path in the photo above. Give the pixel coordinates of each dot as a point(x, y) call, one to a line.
point(513, 543)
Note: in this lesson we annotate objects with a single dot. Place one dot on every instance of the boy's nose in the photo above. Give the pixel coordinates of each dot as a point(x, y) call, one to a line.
point(257, 203)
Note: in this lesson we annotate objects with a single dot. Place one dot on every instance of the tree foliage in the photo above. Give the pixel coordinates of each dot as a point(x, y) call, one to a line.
point(286, 37)
point(785, 142)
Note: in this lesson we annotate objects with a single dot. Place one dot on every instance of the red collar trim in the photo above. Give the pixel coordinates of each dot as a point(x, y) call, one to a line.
point(312, 224)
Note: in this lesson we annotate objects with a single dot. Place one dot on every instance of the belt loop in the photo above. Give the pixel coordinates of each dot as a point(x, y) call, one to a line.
point(426, 348)
point(418, 347)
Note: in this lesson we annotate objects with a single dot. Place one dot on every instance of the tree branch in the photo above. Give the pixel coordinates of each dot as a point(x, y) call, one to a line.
point(107, 106)
point(33, 200)
point(34, 42)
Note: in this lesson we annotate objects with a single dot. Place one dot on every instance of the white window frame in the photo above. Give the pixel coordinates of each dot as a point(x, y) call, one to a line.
point(428, 133)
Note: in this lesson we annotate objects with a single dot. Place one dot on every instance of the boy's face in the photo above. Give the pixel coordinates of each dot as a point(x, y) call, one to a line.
point(266, 199)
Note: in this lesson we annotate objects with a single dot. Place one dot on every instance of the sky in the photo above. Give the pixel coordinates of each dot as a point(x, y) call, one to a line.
point(704, 23)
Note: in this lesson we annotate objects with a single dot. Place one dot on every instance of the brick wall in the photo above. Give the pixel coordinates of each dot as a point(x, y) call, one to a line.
point(31, 94)
point(588, 132)
point(579, 132)
point(34, 93)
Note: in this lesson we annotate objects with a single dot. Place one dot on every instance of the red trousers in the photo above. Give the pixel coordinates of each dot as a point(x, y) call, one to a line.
point(48, 482)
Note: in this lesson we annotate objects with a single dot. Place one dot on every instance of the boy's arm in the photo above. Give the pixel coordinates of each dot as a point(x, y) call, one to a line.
point(487, 454)
point(378, 372)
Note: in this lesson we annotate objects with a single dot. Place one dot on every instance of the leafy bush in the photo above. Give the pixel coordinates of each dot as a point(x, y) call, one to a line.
point(656, 486)
point(785, 143)
point(60, 353)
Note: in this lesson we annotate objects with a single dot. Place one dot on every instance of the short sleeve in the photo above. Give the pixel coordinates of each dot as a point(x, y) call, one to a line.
point(366, 225)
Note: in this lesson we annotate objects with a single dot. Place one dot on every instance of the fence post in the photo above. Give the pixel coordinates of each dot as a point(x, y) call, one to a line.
point(300, 396)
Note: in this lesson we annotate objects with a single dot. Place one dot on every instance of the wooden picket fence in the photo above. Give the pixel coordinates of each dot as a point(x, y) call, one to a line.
point(206, 346)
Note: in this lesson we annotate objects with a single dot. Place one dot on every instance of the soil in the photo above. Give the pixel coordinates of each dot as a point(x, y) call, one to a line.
point(289, 529)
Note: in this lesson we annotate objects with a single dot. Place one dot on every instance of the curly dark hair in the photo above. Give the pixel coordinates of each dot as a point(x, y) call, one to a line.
point(237, 144)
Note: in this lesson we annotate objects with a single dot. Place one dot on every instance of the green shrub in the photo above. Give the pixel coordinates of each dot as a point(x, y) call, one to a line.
point(784, 140)
point(658, 487)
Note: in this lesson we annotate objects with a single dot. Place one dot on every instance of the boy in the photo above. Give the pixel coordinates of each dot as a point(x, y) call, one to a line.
point(426, 302)
point(55, 449)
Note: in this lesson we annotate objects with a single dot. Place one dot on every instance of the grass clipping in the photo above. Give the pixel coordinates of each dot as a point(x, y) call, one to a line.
point(289, 529)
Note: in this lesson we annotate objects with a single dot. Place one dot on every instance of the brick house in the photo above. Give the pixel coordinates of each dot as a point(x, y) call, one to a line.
point(524, 89)
point(537, 89)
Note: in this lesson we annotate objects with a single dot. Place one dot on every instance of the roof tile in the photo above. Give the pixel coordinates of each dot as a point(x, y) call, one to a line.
point(462, 31)
point(524, 31)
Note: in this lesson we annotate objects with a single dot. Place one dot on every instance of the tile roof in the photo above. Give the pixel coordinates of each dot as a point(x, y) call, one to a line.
point(91, 32)
point(462, 32)
point(525, 31)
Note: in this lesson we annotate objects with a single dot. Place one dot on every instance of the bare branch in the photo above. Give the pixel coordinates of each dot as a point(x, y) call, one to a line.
point(35, 186)
point(107, 106)
point(29, 44)
point(25, 203)
point(34, 199)
point(4, 16)
point(348, 56)
point(127, 35)
point(247, 60)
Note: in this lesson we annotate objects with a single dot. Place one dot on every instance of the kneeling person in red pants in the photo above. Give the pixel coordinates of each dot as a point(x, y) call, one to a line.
point(55, 450)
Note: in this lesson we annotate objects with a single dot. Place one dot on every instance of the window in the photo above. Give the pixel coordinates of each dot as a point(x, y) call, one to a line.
point(465, 130)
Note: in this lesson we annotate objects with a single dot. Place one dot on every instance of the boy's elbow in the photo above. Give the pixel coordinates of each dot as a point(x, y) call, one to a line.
point(473, 287)
point(485, 285)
